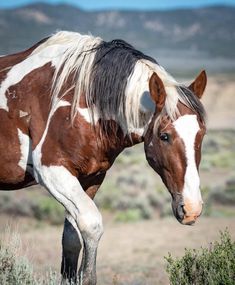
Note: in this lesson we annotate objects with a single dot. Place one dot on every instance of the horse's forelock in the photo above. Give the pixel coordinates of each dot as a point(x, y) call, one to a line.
point(187, 97)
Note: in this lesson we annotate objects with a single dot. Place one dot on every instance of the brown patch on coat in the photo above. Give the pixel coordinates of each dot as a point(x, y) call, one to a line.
point(77, 145)
point(10, 152)
point(30, 96)
point(27, 181)
point(87, 151)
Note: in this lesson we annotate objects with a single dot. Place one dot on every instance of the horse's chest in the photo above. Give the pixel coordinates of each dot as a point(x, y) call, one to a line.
point(79, 147)
point(94, 165)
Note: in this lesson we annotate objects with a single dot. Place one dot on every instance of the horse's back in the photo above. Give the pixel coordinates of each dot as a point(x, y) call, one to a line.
point(7, 61)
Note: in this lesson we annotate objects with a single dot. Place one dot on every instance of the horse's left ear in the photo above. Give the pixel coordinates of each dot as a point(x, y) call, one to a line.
point(199, 84)
point(157, 91)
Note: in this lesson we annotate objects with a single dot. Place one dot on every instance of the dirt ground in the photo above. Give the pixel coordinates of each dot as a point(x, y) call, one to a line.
point(130, 254)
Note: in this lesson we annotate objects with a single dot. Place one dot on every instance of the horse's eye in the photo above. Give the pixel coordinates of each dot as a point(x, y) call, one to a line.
point(164, 137)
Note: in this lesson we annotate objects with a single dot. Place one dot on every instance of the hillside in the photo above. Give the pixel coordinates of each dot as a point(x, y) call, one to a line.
point(183, 41)
point(170, 36)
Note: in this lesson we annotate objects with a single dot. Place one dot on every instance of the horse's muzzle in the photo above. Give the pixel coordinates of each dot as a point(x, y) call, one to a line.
point(186, 212)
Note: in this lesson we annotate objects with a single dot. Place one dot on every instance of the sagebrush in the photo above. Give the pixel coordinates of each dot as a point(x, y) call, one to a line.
point(16, 269)
point(214, 265)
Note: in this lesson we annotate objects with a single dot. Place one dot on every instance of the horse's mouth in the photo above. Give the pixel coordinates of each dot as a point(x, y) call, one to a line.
point(186, 214)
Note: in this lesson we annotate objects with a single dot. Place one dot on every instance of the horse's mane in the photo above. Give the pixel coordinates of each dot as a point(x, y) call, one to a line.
point(112, 76)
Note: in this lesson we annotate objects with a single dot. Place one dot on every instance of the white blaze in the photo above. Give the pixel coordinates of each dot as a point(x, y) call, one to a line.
point(187, 127)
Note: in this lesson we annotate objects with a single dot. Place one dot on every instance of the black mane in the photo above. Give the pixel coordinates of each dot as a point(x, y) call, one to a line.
point(114, 62)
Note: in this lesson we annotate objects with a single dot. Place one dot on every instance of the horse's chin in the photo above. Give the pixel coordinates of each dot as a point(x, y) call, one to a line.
point(188, 221)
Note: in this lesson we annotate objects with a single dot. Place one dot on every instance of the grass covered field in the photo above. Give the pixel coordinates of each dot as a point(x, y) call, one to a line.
point(129, 253)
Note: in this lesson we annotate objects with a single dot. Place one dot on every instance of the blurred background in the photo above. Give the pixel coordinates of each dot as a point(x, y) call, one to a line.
point(184, 37)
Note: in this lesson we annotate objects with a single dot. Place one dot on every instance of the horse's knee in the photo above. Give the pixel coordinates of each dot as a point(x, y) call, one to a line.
point(91, 227)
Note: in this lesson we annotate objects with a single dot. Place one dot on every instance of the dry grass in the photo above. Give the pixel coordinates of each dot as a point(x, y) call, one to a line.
point(219, 102)
point(130, 253)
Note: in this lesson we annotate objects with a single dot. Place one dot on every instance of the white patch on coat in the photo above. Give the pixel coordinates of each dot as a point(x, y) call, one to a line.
point(37, 150)
point(23, 114)
point(67, 190)
point(25, 149)
point(187, 127)
point(20, 70)
point(86, 114)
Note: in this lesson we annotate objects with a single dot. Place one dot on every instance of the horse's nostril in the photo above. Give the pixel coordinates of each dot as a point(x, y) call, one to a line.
point(180, 211)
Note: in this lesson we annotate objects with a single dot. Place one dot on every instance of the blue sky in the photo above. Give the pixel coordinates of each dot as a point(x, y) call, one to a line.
point(121, 4)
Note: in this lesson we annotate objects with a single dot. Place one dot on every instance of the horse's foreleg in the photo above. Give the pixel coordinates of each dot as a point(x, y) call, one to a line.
point(90, 226)
point(71, 247)
point(72, 241)
point(87, 270)
point(67, 190)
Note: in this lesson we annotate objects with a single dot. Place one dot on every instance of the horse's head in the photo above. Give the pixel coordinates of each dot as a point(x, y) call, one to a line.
point(173, 147)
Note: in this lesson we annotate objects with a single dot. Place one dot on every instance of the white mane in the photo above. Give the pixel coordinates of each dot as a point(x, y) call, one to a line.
point(77, 58)
point(138, 84)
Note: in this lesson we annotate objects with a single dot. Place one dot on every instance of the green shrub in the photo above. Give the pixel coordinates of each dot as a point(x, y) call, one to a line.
point(218, 150)
point(47, 208)
point(207, 266)
point(14, 270)
point(224, 196)
point(39, 205)
point(134, 191)
point(132, 215)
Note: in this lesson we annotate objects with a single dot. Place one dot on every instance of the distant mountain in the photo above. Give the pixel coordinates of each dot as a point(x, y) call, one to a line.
point(190, 33)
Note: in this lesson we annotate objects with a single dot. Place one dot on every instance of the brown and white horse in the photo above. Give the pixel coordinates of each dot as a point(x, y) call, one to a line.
point(70, 104)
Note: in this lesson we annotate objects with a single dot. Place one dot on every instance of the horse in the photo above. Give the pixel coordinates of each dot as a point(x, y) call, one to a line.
point(69, 105)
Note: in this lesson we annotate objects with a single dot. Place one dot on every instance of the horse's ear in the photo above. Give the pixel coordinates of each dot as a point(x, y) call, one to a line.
point(157, 91)
point(199, 84)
